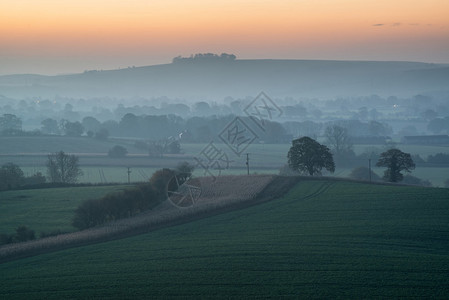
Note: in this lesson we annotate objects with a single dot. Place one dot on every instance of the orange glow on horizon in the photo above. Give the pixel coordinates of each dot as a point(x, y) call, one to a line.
point(83, 27)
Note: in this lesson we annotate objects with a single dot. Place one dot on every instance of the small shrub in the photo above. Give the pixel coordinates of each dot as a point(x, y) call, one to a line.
point(117, 152)
point(35, 179)
point(23, 234)
point(160, 180)
point(184, 170)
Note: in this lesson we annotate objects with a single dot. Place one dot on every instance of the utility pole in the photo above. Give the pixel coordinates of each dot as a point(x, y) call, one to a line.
point(129, 173)
point(369, 167)
point(247, 163)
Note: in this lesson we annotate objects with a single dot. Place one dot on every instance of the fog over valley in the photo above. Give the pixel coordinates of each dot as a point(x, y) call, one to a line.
point(217, 176)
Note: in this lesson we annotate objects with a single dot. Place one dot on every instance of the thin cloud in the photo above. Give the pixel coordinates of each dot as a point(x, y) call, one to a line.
point(396, 24)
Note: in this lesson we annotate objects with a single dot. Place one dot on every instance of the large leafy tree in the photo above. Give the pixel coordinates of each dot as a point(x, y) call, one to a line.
point(10, 122)
point(63, 167)
point(308, 156)
point(395, 161)
point(72, 128)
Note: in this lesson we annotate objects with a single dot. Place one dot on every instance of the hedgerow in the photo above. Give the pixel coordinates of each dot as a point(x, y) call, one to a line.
point(218, 195)
point(114, 206)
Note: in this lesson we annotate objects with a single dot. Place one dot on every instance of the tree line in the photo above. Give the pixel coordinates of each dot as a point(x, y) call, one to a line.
point(196, 129)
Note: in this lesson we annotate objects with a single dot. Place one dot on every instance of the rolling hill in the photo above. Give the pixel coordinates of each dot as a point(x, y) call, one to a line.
point(239, 78)
point(323, 239)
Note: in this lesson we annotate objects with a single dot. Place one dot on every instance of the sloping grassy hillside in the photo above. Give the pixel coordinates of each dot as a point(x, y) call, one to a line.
point(323, 239)
point(239, 78)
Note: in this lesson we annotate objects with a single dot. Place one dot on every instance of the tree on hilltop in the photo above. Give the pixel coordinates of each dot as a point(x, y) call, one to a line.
point(308, 156)
point(205, 57)
point(395, 161)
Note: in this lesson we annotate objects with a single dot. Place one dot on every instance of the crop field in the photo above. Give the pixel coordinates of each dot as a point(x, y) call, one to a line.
point(45, 210)
point(324, 239)
point(224, 192)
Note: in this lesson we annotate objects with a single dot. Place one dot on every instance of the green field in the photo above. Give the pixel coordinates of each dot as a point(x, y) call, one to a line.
point(105, 174)
point(45, 210)
point(324, 239)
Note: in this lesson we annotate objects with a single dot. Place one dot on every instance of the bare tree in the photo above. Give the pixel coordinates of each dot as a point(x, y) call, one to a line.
point(337, 139)
point(63, 167)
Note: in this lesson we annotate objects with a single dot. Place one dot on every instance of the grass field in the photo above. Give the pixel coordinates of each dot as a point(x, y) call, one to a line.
point(324, 239)
point(45, 210)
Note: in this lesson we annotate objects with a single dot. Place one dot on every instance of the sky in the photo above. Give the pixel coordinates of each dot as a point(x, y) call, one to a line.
point(70, 36)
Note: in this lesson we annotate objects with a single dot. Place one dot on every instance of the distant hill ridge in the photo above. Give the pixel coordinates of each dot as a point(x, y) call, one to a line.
point(214, 80)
